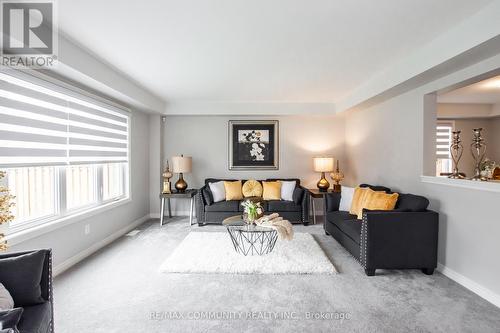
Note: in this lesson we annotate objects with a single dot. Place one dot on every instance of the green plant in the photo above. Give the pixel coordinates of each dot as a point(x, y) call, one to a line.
point(5, 213)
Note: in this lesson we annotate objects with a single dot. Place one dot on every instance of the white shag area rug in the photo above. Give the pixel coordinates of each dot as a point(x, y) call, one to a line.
point(213, 252)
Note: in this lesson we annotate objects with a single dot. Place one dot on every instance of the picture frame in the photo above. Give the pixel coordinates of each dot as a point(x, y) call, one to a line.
point(253, 144)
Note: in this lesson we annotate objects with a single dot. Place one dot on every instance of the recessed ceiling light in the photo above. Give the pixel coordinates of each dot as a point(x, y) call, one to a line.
point(492, 84)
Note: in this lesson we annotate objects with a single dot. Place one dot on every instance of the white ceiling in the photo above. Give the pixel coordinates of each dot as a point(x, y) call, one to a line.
point(483, 92)
point(257, 50)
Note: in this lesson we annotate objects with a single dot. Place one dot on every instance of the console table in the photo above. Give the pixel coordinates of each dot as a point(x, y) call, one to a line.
point(188, 194)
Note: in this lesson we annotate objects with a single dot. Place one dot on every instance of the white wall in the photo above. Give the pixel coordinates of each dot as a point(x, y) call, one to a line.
point(385, 144)
point(69, 241)
point(205, 138)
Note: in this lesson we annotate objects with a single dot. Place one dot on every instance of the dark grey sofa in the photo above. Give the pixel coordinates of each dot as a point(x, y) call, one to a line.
point(39, 317)
point(208, 212)
point(404, 238)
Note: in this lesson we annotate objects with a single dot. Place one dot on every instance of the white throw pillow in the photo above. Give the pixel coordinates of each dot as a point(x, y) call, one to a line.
point(287, 188)
point(218, 191)
point(6, 301)
point(346, 198)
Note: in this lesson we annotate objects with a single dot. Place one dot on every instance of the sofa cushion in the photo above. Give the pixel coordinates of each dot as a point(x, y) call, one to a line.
point(287, 189)
point(22, 275)
point(296, 180)
point(351, 228)
point(223, 206)
point(358, 199)
point(272, 190)
point(332, 201)
point(283, 206)
point(346, 196)
point(218, 191)
point(252, 188)
point(378, 201)
point(298, 195)
point(377, 188)
point(334, 217)
point(6, 301)
point(233, 190)
point(412, 203)
point(207, 195)
point(36, 318)
point(347, 223)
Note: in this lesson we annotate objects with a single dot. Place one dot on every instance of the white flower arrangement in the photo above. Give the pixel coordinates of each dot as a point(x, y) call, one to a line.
point(252, 209)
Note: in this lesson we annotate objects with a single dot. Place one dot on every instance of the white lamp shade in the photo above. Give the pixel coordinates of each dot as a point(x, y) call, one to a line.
point(323, 164)
point(182, 164)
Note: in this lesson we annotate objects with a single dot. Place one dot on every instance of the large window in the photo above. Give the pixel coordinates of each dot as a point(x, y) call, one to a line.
point(64, 151)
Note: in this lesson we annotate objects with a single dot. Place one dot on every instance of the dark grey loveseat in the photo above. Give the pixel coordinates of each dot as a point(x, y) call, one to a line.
point(208, 212)
point(18, 273)
point(404, 238)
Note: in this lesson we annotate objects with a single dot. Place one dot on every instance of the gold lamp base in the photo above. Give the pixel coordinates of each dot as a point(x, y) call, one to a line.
point(181, 185)
point(323, 184)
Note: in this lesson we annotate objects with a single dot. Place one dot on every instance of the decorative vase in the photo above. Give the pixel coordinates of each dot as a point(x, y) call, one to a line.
point(456, 150)
point(478, 150)
point(337, 177)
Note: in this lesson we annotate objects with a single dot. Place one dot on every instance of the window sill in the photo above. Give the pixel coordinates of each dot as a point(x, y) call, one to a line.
point(27, 234)
point(490, 186)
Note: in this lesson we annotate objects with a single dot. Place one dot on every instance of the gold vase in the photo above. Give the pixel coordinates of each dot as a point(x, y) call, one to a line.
point(181, 185)
point(323, 184)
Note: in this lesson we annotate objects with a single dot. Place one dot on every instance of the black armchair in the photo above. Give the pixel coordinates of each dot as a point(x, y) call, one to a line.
point(37, 317)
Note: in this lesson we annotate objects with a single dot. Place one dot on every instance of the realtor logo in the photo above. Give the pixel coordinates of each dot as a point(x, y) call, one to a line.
point(28, 33)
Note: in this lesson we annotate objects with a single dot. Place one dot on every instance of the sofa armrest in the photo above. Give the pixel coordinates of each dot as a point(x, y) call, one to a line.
point(46, 279)
point(392, 239)
point(305, 205)
point(200, 206)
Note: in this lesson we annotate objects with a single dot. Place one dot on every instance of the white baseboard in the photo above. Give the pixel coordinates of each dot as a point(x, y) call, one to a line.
point(475, 287)
point(97, 246)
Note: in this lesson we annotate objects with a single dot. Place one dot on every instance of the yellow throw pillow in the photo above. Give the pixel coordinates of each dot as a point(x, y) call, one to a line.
point(378, 201)
point(358, 199)
point(252, 188)
point(272, 190)
point(233, 190)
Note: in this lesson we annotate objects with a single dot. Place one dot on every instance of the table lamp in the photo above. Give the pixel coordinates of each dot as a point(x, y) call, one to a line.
point(181, 165)
point(323, 164)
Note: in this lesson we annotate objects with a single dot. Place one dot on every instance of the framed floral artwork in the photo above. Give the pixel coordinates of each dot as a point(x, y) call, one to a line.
point(253, 144)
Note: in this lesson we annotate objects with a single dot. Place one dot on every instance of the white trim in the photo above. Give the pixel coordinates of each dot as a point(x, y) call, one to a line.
point(97, 246)
point(24, 235)
point(475, 287)
point(490, 186)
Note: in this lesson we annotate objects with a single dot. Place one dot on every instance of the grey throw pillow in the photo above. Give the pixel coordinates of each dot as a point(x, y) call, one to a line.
point(22, 275)
point(6, 301)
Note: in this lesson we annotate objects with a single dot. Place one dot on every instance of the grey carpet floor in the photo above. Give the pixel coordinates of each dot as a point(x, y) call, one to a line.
point(119, 289)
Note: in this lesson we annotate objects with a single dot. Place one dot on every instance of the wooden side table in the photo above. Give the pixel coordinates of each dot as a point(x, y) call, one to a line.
point(315, 193)
point(188, 194)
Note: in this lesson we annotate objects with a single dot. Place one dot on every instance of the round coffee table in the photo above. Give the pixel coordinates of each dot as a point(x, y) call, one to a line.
point(250, 239)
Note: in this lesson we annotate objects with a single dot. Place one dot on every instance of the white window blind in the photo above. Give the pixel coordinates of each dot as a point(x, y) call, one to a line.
point(42, 123)
point(443, 139)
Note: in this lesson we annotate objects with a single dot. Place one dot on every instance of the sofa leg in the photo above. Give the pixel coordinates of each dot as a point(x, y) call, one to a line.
point(326, 233)
point(370, 272)
point(306, 223)
point(428, 271)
